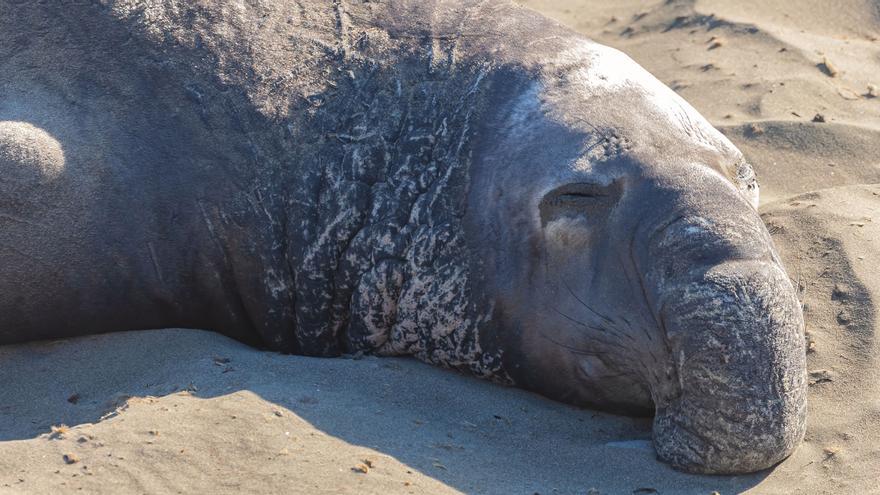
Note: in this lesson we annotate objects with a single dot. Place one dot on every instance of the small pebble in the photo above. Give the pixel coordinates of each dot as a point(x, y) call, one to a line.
point(755, 130)
point(828, 68)
point(820, 376)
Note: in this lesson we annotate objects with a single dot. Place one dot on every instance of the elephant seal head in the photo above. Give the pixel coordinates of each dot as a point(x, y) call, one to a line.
point(629, 266)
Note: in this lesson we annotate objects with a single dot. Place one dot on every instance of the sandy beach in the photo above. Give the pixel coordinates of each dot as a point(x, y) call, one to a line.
point(795, 85)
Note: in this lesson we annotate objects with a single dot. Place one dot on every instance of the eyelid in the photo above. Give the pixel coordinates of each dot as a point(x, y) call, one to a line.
point(583, 190)
point(577, 199)
point(583, 194)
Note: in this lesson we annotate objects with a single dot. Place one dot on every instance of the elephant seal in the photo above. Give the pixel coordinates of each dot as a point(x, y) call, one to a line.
point(470, 184)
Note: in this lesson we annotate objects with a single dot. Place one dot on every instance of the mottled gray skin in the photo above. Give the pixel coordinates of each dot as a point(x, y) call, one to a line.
point(470, 184)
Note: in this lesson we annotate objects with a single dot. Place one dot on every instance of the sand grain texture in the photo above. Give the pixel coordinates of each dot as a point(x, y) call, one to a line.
point(190, 411)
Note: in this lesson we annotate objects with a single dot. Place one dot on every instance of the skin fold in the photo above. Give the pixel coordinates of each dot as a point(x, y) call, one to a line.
point(467, 183)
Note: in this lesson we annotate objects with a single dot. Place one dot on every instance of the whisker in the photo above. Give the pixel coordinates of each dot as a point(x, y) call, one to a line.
point(608, 320)
point(599, 329)
point(575, 350)
point(641, 281)
point(617, 375)
point(578, 322)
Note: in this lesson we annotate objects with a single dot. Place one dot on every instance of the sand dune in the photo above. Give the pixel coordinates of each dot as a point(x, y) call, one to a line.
point(812, 152)
point(180, 410)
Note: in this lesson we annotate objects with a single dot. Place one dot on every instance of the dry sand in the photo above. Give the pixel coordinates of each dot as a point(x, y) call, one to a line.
point(189, 411)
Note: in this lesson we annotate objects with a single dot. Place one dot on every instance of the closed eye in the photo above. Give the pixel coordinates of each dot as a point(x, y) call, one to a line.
point(581, 196)
point(576, 193)
point(577, 199)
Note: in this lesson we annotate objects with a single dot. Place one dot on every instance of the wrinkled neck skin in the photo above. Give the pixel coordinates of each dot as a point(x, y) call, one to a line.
point(376, 236)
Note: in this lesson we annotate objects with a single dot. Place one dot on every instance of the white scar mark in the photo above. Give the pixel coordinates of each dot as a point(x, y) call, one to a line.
point(155, 260)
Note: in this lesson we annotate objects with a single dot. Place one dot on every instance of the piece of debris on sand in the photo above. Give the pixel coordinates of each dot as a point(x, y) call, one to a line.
point(820, 376)
point(828, 68)
point(716, 42)
point(754, 130)
point(58, 431)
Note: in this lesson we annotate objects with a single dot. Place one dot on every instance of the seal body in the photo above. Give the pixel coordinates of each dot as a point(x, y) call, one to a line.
point(470, 184)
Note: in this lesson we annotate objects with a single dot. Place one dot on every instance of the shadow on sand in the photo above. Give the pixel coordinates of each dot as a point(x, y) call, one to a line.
point(504, 438)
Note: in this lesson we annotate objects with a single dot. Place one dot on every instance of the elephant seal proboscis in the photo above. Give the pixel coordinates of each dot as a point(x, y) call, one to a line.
point(467, 183)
